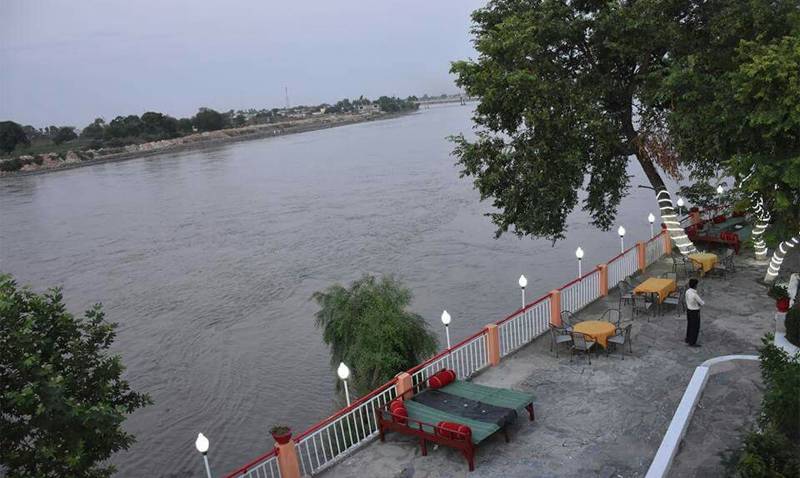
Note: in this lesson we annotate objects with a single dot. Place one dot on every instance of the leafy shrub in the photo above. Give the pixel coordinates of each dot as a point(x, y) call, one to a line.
point(767, 454)
point(781, 374)
point(778, 291)
point(10, 165)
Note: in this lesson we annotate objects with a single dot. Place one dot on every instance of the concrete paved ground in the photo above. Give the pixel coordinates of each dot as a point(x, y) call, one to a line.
point(607, 419)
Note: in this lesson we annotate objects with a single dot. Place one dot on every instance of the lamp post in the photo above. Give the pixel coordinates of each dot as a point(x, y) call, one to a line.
point(522, 283)
point(446, 322)
point(680, 205)
point(343, 372)
point(579, 255)
point(651, 219)
point(202, 446)
point(621, 232)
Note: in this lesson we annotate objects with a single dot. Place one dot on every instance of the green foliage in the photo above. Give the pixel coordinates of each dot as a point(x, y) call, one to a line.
point(280, 430)
point(767, 454)
point(792, 324)
point(368, 327)
point(11, 136)
point(393, 105)
point(558, 83)
point(735, 100)
point(208, 120)
point(781, 403)
point(13, 164)
point(96, 130)
point(772, 450)
point(64, 134)
point(62, 399)
point(778, 291)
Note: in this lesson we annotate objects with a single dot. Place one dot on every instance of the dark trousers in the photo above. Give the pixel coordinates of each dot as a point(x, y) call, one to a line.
point(692, 326)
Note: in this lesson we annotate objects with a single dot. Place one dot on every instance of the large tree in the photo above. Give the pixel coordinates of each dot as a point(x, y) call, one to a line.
point(368, 327)
point(12, 135)
point(735, 100)
point(569, 91)
point(62, 397)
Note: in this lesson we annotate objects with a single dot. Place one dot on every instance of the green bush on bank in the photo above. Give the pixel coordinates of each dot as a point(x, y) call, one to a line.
point(772, 449)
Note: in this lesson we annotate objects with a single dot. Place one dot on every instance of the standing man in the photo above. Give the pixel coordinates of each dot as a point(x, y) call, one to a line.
point(693, 304)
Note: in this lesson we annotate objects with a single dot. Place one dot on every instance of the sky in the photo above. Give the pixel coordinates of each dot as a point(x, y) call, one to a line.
point(68, 62)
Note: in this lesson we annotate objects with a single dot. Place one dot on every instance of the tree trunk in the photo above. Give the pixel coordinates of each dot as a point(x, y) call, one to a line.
point(668, 214)
point(777, 257)
point(762, 221)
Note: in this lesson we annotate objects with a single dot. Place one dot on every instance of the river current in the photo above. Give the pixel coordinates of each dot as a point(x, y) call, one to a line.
point(207, 260)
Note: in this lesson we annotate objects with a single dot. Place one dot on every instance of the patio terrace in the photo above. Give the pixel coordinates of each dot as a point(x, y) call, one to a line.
point(607, 419)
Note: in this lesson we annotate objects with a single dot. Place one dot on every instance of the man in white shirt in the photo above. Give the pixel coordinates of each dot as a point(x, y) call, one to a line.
point(693, 304)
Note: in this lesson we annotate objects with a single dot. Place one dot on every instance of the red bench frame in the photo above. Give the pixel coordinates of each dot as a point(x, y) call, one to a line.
point(414, 427)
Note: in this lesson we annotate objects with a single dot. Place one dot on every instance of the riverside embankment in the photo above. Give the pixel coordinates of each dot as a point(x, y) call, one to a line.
point(49, 162)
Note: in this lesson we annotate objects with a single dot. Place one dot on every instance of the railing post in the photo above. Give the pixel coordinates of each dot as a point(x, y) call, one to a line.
point(493, 344)
point(288, 462)
point(403, 386)
point(641, 252)
point(603, 268)
point(667, 243)
point(555, 307)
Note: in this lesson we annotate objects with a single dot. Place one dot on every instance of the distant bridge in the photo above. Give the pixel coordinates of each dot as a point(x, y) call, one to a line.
point(461, 99)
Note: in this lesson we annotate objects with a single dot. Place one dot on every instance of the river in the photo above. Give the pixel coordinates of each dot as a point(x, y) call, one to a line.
point(207, 260)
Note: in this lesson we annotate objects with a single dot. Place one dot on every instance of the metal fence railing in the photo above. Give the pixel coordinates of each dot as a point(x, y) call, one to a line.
point(653, 250)
point(265, 466)
point(581, 292)
point(524, 326)
point(328, 442)
point(350, 428)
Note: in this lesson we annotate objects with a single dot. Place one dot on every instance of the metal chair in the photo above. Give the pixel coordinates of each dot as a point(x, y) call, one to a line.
point(568, 319)
point(558, 336)
point(625, 293)
point(726, 265)
point(612, 316)
point(581, 345)
point(621, 338)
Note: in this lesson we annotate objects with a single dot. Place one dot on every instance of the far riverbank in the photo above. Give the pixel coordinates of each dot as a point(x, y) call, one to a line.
point(51, 162)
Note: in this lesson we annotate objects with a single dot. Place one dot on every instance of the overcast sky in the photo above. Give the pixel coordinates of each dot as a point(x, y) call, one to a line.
point(67, 62)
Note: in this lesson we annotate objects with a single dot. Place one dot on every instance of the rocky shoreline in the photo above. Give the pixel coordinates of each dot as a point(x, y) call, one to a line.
point(50, 162)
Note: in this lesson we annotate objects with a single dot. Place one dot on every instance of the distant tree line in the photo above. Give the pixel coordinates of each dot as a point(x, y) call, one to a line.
point(121, 131)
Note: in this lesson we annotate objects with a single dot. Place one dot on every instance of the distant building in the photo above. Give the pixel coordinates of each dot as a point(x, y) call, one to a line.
point(368, 109)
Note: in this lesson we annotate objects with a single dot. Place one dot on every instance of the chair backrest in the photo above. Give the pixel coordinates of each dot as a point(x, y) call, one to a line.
point(579, 340)
point(623, 286)
point(612, 315)
point(628, 332)
point(669, 275)
point(567, 318)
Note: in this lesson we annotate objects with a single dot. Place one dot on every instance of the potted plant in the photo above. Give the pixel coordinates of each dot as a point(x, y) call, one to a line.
point(780, 293)
point(281, 433)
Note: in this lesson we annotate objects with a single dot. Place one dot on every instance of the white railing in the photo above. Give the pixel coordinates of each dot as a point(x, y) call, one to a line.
point(622, 267)
point(522, 328)
point(580, 293)
point(265, 469)
point(465, 359)
point(324, 445)
point(653, 250)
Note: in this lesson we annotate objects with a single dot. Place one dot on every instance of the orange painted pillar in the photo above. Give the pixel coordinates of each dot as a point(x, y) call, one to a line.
point(603, 268)
point(493, 344)
point(404, 387)
point(288, 462)
point(640, 249)
point(555, 307)
point(667, 242)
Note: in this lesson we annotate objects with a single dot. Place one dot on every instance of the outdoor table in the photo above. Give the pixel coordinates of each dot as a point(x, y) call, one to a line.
point(657, 287)
point(706, 260)
point(597, 330)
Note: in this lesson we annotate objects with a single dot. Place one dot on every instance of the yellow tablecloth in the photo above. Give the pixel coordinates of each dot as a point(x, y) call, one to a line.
point(597, 330)
point(662, 287)
point(705, 259)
